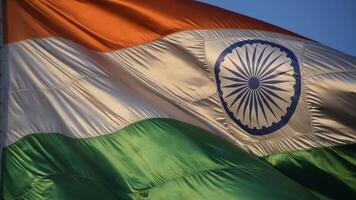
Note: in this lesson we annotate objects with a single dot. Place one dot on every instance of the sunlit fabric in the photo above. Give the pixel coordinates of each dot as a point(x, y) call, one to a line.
point(170, 100)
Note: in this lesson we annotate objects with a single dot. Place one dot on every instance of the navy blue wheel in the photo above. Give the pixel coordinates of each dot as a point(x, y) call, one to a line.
point(258, 84)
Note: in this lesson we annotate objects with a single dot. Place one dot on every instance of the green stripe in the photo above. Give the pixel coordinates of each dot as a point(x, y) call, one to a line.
point(329, 172)
point(151, 159)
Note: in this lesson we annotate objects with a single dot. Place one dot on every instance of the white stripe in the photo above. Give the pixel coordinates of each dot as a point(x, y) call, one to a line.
point(58, 86)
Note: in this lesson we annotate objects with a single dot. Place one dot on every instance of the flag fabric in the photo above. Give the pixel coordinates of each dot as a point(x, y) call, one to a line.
point(170, 100)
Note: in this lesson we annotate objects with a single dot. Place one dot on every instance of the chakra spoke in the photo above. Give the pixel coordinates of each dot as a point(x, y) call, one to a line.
point(262, 106)
point(256, 107)
point(235, 85)
point(233, 92)
point(267, 66)
point(275, 75)
point(271, 87)
point(276, 82)
point(275, 95)
point(239, 69)
point(259, 59)
point(272, 70)
point(242, 63)
point(242, 100)
point(247, 100)
point(263, 65)
point(236, 74)
point(243, 91)
point(233, 79)
point(254, 61)
point(251, 105)
point(271, 100)
point(267, 104)
point(249, 68)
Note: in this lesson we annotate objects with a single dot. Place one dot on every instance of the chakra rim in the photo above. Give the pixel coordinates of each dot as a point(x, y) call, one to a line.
point(258, 84)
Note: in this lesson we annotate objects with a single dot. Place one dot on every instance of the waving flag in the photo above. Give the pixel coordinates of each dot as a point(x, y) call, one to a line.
point(159, 100)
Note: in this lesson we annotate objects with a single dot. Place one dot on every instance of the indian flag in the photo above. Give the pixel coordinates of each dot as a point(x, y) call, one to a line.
point(170, 100)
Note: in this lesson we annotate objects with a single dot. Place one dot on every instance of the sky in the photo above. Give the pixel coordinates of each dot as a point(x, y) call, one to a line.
point(331, 22)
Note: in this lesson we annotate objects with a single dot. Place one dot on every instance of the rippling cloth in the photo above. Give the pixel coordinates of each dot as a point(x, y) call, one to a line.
point(170, 100)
